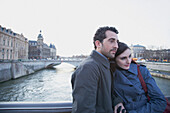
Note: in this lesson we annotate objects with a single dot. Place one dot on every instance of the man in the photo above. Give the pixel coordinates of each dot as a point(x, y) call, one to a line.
point(92, 80)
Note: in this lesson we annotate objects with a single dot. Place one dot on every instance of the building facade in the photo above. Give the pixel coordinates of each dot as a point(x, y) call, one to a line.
point(53, 51)
point(138, 51)
point(13, 46)
point(158, 55)
point(40, 50)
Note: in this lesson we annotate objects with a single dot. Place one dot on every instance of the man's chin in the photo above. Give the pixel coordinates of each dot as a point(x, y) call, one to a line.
point(112, 56)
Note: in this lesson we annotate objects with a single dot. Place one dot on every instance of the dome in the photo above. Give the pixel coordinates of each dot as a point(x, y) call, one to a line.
point(138, 45)
point(40, 35)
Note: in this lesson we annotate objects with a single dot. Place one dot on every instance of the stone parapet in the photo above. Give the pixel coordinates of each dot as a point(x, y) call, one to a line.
point(15, 69)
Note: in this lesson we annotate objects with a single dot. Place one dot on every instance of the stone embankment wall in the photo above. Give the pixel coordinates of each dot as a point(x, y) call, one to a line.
point(16, 69)
point(161, 67)
point(158, 66)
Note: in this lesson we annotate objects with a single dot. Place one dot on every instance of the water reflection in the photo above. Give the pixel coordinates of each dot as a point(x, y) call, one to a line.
point(44, 85)
point(164, 85)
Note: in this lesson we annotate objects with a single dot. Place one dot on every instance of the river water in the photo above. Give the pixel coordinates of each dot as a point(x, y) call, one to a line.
point(50, 85)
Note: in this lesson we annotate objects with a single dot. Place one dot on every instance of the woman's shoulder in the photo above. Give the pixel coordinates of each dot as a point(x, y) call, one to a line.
point(134, 68)
point(142, 66)
point(133, 64)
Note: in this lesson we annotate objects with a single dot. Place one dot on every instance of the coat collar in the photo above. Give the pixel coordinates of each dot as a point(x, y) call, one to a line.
point(101, 59)
point(133, 68)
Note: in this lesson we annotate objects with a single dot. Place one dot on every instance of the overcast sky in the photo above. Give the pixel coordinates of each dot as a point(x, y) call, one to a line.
point(70, 24)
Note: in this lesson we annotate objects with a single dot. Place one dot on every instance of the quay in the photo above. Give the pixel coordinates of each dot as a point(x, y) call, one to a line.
point(15, 68)
point(158, 69)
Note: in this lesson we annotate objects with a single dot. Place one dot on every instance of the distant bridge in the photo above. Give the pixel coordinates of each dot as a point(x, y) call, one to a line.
point(71, 60)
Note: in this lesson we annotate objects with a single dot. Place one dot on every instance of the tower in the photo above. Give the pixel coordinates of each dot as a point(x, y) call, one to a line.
point(40, 45)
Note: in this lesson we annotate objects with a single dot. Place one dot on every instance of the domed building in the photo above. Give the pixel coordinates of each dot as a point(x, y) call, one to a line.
point(138, 51)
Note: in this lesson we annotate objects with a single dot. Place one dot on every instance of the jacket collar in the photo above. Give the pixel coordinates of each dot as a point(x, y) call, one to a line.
point(101, 59)
point(133, 68)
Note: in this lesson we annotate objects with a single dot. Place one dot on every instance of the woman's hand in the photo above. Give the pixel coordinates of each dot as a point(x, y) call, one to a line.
point(119, 108)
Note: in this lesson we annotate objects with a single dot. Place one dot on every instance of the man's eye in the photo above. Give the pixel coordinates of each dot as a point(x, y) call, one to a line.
point(111, 41)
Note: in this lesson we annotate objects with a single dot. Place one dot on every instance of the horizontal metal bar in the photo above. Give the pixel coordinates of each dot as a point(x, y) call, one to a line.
point(37, 107)
point(17, 107)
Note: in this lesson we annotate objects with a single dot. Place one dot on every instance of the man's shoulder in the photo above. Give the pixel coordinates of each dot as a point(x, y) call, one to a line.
point(88, 67)
point(89, 62)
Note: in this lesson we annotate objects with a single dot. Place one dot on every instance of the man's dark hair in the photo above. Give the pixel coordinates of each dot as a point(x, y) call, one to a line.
point(100, 34)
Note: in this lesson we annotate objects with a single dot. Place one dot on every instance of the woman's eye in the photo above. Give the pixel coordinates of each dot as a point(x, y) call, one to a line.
point(123, 58)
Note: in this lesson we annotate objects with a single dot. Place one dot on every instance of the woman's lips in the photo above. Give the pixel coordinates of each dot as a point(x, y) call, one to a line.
point(126, 65)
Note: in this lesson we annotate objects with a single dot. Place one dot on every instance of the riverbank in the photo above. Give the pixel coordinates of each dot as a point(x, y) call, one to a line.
point(160, 75)
point(158, 69)
point(157, 66)
point(15, 69)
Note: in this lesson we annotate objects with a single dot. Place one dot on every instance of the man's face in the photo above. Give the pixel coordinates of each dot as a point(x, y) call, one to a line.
point(109, 45)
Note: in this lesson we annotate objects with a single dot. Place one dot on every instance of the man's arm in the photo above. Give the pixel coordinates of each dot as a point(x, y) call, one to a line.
point(85, 85)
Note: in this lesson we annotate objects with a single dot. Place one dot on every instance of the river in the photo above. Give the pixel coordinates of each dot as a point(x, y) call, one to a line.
point(50, 85)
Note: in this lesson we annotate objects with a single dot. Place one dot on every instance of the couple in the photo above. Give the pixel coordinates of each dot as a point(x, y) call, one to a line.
point(99, 89)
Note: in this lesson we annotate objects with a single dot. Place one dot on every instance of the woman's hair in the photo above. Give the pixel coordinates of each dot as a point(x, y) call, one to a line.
point(121, 48)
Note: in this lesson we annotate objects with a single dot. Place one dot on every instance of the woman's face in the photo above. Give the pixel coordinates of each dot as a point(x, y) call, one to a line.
point(124, 59)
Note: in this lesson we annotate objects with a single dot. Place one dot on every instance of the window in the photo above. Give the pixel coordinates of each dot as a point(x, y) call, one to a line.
point(11, 43)
point(8, 42)
point(3, 50)
point(4, 41)
point(7, 54)
point(11, 54)
point(2, 56)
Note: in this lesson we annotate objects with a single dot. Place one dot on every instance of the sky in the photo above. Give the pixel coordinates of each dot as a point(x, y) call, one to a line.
point(71, 24)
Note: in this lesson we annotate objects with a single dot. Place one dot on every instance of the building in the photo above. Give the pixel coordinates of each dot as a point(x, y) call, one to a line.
point(138, 51)
point(162, 55)
point(52, 51)
point(40, 50)
point(13, 46)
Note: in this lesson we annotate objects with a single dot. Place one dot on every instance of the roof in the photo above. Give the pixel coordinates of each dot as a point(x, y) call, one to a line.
point(40, 35)
point(138, 45)
point(31, 41)
point(52, 46)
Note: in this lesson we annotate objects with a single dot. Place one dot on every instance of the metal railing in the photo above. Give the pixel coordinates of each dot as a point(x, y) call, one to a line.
point(37, 107)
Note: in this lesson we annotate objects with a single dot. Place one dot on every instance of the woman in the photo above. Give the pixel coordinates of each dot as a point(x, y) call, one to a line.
point(127, 85)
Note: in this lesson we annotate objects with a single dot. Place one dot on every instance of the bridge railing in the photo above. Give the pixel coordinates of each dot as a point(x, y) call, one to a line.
point(37, 107)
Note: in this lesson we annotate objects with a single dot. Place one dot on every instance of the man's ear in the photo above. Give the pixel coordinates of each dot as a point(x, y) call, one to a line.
point(98, 44)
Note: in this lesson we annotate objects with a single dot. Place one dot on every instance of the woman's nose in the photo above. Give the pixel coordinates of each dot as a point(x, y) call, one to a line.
point(129, 60)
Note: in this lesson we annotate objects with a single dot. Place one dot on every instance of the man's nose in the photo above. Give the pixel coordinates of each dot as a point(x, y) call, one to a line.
point(116, 45)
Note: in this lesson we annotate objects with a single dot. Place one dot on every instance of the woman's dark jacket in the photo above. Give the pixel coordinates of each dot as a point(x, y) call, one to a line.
point(129, 88)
